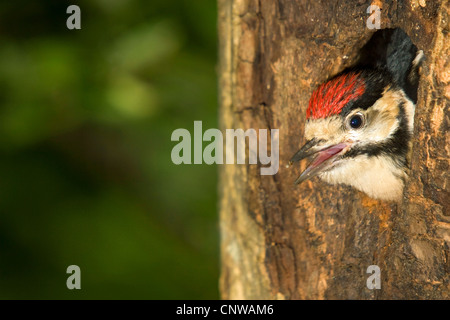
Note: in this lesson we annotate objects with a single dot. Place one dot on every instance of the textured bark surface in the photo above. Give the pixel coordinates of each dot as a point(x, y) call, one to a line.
point(315, 241)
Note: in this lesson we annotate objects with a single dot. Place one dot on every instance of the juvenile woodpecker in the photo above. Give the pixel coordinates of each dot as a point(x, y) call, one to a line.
point(360, 123)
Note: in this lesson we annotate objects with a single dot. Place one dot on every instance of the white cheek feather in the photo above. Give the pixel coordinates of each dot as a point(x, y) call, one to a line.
point(376, 176)
point(383, 116)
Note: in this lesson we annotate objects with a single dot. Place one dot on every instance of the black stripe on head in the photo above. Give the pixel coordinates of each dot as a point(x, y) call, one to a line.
point(375, 82)
point(396, 146)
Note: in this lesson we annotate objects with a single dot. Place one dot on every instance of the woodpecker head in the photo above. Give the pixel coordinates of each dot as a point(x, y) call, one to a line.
point(358, 131)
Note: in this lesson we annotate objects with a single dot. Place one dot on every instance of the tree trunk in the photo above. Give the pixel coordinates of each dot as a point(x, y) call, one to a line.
point(316, 241)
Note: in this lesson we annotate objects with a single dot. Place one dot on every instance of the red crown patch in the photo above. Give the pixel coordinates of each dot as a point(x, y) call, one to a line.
point(330, 97)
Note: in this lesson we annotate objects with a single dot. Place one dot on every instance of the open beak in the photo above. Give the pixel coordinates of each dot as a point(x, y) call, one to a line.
point(323, 160)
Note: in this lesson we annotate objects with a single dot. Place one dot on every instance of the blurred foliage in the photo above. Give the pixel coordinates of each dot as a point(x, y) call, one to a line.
point(86, 118)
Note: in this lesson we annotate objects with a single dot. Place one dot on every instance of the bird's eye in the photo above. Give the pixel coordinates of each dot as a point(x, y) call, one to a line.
point(356, 121)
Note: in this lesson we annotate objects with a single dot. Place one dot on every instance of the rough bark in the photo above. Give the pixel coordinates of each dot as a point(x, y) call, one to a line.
point(315, 241)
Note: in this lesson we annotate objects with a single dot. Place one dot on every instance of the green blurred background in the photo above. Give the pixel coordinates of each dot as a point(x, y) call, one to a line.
point(86, 173)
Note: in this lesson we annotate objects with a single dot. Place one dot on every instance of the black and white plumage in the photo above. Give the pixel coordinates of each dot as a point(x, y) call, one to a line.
point(360, 122)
